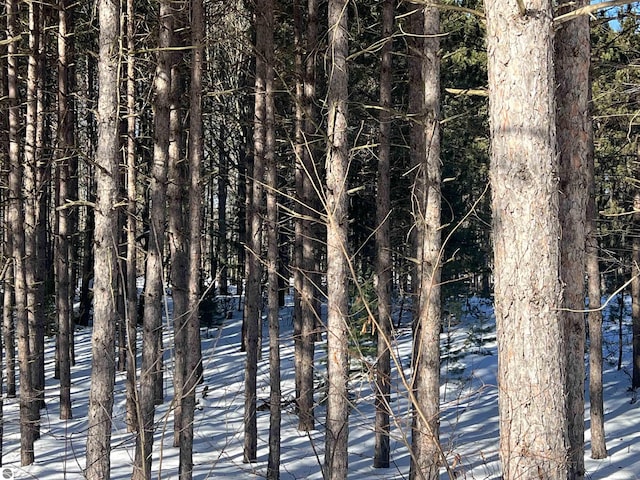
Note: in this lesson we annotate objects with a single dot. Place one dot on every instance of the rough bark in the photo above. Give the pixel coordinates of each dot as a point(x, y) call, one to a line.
point(337, 161)
point(272, 233)
point(526, 234)
point(383, 246)
point(572, 55)
point(596, 402)
point(15, 221)
point(106, 244)
point(426, 211)
point(252, 313)
point(63, 297)
point(178, 248)
point(151, 374)
point(131, 312)
point(193, 365)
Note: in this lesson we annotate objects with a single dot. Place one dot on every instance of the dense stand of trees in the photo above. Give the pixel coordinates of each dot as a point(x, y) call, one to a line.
point(197, 145)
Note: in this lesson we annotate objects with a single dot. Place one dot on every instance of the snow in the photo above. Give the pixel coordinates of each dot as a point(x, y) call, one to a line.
point(469, 422)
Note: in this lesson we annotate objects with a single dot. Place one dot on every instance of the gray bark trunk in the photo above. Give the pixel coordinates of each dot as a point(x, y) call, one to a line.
point(383, 247)
point(572, 54)
point(337, 162)
point(106, 243)
point(526, 234)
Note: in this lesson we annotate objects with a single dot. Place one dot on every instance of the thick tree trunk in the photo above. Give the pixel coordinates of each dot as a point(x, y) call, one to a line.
point(526, 234)
point(383, 246)
point(337, 163)
point(106, 241)
point(572, 54)
point(151, 374)
point(426, 210)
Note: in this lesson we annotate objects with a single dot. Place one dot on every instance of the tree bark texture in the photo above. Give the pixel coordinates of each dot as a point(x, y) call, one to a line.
point(383, 264)
point(526, 236)
point(337, 164)
point(426, 458)
point(255, 207)
point(596, 402)
point(151, 370)
point(63, 298)
point(98, 465)
point(572, 55)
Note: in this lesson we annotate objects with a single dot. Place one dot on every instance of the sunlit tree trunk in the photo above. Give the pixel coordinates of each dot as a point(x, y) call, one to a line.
point(252, 313)
point(426, 210)
point(383, 245)
point(272, 233)
point(151, 374)
point(193, 364)
point(526, 238)
point(131, 314)
point(15, 221)
point(572, 56)
point(337, 163)
point(106, 246)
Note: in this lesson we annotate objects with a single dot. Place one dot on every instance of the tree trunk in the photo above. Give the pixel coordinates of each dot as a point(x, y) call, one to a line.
point(193, 364)
point(526, 234)
point(63, 297)
point(426, 350)
point(151, 371)
point(383, 265)
point(572, 54)
point(598, 443)
point(178, 247)
point(271, 179)
point(635, 282)
point(337, 163)
point(15, 221)
point(131, 314)
point(253, 298)
point(106, 241)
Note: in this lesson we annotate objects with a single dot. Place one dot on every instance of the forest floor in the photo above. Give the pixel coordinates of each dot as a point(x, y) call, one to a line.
point(469, 424)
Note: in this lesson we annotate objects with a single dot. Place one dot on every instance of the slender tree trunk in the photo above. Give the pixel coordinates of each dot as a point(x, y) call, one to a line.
point(195, 153)
point(15, 221)
point(131, 314)
point(337, 161)
point(635, 282)
point(106, 241)
point(253, 300)
point(151, 371)
point(223, 244)
point(383, 246)
point(311, 185)
point(526, 234)
point(178, 247)
point(598, 443)
point(62, 245)
point(572, 55)
point(8, 327)
point(426, 350)
point(35, 295)
point(271, 179)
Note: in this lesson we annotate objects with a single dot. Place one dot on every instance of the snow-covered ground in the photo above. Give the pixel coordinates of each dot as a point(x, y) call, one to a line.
point(469, 410)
